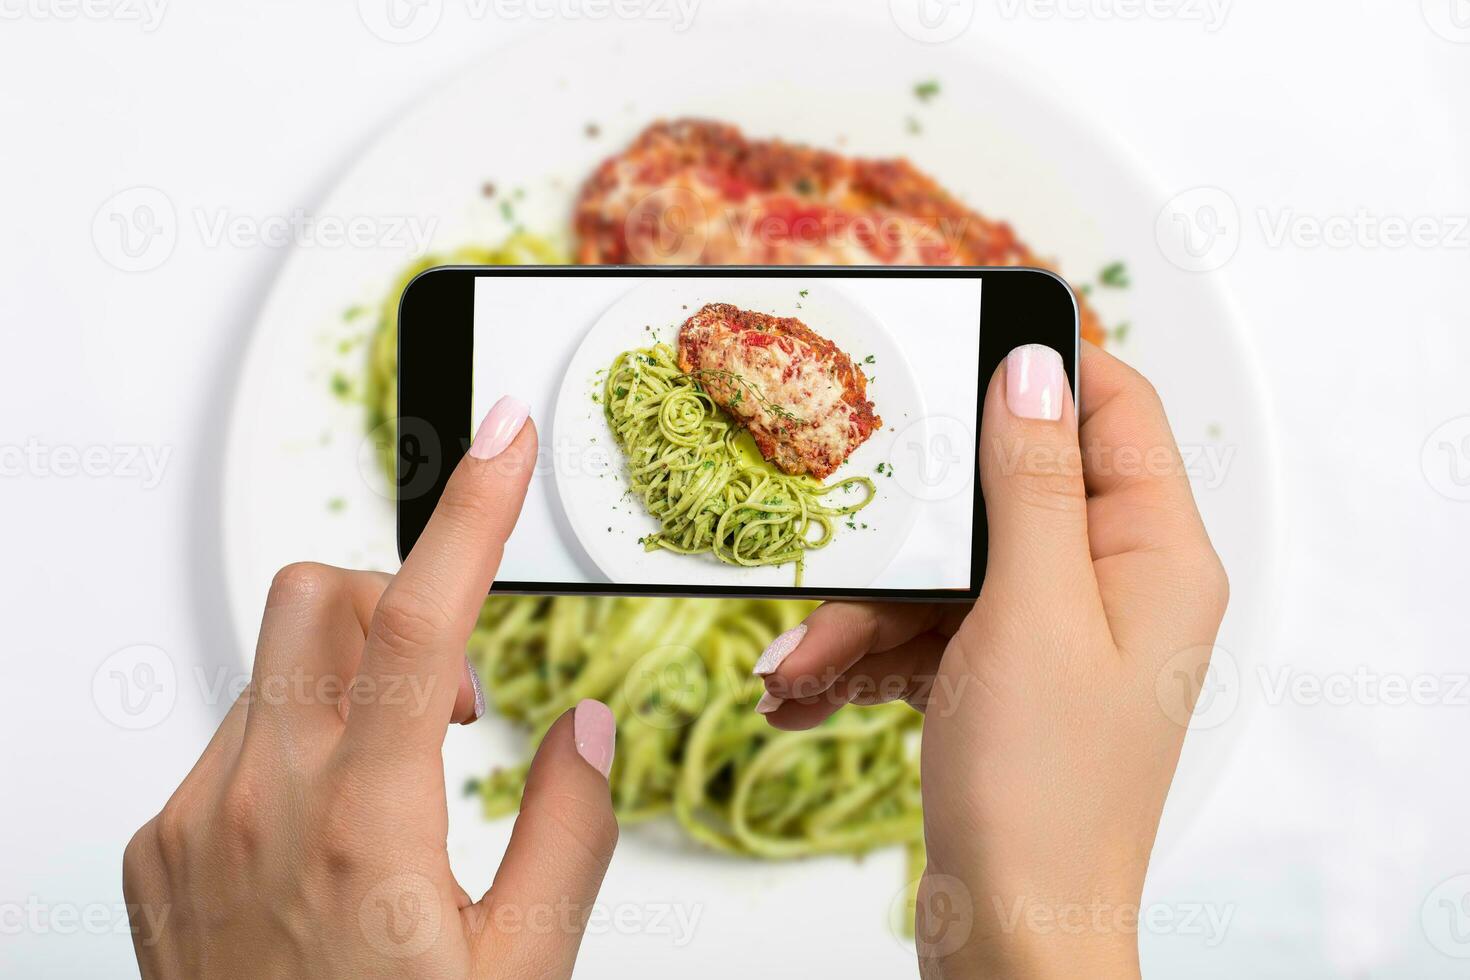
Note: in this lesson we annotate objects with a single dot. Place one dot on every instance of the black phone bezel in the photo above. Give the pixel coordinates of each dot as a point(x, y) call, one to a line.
point(435, 384)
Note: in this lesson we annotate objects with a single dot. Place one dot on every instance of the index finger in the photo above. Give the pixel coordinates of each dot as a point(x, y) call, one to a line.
point(414, 654)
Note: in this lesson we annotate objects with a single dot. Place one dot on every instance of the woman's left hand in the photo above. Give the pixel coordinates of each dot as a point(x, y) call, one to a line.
point(309, 839)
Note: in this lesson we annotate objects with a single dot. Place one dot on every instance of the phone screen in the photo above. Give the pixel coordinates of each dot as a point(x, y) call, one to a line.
point(756, 432)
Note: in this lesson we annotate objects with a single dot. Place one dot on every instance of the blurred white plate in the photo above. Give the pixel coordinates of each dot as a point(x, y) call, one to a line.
point(301, 485)
point(854, 557)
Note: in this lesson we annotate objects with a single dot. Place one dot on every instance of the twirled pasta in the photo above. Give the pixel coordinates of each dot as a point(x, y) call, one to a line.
point(677, 675)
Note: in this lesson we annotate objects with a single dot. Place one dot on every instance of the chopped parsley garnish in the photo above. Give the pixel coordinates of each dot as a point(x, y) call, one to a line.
point(914, 126)
point(925, 91)
point(804, 293)
point(870, 359)
point(1114, 276)
point(336, 505)
point(1119, 332)
point(506, 211)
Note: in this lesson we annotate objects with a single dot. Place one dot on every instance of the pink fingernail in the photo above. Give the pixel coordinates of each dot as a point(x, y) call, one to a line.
point(768, 703)
point(478, 688)
point(500, 427)
point(1035, 382)
point(596, 733)
point(779, 650)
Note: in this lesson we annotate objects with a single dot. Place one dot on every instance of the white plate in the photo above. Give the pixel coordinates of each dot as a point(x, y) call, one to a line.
point(853, 559)
point(519, 119)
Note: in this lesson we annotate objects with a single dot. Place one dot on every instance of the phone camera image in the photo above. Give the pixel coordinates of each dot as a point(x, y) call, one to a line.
point(808, 432)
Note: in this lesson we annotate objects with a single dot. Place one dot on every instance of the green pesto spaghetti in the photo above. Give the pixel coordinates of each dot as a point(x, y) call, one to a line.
point(684, 463)
point(677, 675)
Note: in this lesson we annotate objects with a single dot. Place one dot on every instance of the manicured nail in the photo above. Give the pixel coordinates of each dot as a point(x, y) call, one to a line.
point(478, 688)
point(1035, 382)
point(768, 703)
point(779, 650)
point(500, 427)
point(596, 733)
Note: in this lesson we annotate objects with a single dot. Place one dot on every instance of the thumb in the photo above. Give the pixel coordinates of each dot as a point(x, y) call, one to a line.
point(533, 916)
point(1031, 474)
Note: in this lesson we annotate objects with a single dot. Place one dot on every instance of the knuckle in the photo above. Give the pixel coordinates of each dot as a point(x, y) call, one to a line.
point(591, 826)
point(238, 815)
point(405, 622)
point(299, 583)
point(172, 829)
point(1048, 488)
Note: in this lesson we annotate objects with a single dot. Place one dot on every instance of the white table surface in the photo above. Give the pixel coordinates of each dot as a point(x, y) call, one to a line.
point(1341, 812)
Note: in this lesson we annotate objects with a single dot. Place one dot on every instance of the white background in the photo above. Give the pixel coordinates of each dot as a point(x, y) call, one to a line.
point(1338, 816)
point(933, 322)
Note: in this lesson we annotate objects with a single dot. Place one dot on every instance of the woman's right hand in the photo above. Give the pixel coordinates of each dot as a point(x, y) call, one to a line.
point(1057, 704)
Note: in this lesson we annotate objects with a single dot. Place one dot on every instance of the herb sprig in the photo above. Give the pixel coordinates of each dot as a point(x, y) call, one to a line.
point(739, 382)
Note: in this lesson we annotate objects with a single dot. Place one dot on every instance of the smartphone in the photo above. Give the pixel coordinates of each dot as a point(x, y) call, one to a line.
point(725, 431)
